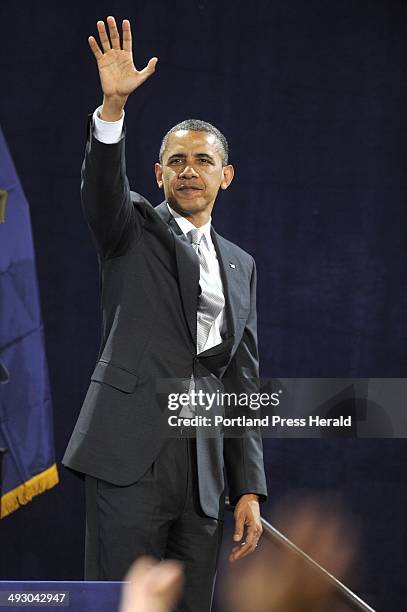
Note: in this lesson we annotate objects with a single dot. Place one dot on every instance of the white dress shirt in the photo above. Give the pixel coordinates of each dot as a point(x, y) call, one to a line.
point(109, 132)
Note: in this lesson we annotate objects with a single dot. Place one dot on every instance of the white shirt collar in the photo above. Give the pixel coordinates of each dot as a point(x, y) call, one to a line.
point(186, 225)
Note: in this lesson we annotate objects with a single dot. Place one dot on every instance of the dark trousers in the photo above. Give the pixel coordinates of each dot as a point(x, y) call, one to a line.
point(159, 516)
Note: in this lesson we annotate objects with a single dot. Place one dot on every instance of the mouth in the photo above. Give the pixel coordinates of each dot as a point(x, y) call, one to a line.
point(188, 188)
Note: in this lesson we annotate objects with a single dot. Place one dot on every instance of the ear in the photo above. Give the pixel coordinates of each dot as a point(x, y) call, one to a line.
point(158, 174)
point(228, 172)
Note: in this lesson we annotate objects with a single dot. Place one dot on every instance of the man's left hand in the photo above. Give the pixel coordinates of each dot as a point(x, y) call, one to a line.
point(247, 517)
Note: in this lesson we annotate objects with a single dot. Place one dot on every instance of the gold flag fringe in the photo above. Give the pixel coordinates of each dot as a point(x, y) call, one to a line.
point(21, 495)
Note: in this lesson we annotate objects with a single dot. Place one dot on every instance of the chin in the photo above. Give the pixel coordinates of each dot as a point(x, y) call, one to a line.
point(186, 208)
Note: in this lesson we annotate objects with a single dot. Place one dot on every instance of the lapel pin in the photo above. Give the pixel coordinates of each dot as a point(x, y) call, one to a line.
point(232, 265)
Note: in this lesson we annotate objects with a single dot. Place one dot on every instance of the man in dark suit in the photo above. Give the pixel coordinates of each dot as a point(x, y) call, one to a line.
point(178, 312)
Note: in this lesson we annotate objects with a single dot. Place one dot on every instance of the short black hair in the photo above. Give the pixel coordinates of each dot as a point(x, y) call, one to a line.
point(197, 125)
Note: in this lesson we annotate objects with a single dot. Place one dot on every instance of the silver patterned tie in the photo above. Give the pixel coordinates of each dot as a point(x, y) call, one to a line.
point(211, 300)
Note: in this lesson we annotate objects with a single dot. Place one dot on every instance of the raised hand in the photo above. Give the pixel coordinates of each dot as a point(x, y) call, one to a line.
point(118, 75)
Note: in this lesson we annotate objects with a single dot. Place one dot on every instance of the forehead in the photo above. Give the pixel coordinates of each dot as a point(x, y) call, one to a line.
point(192, 142)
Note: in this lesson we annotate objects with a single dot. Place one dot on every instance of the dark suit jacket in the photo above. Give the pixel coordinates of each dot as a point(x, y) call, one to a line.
point(149, 279)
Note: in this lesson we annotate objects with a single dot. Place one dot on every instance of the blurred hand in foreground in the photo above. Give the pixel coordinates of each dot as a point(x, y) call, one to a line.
point(152, 586)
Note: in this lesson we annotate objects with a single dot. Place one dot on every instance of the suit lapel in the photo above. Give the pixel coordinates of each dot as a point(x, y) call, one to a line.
point(188, 269)
point(231, 274)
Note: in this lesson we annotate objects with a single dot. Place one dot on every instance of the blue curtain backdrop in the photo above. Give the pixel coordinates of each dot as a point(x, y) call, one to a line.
point(312, 97)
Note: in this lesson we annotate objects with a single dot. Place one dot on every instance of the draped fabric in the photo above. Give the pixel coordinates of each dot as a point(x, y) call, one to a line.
point(25, 405)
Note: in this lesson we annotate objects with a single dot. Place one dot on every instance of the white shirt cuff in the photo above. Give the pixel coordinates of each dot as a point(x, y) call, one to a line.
point(108, 132)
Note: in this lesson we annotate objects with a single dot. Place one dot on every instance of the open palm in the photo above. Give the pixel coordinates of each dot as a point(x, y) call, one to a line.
point(118, 75)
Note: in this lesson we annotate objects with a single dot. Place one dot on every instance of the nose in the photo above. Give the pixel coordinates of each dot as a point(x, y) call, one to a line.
point(188, 172)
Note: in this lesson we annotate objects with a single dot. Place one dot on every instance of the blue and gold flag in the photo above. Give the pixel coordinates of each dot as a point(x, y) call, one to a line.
point(26, 429)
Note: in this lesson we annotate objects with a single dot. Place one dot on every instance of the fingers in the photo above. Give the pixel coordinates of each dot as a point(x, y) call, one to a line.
point(94, 47)
point(253, 533)
point(114, 41)
point(239, 552)
point(239, 525)
point(127, 42)
point(149, 69)
point(245, 548)
point(113, 33)
point(104, 39)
